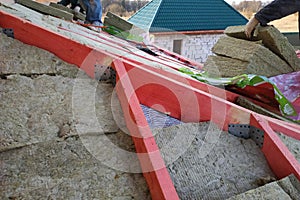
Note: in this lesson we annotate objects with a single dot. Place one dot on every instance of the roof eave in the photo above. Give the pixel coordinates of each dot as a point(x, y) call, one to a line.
point(197, 32)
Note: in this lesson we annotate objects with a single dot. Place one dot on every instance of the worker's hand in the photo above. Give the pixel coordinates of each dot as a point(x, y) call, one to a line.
point(77, 9)
point(298, 53)
point(250, 26)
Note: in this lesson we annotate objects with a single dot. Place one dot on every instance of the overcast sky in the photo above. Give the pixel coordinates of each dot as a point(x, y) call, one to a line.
point(238, 1)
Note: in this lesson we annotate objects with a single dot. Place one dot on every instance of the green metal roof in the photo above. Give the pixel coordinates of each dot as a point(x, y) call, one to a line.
point(187, 15)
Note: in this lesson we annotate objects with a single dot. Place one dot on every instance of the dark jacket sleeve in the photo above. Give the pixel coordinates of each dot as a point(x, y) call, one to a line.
point(277, 9)
point(74, 3)
point(64, 2)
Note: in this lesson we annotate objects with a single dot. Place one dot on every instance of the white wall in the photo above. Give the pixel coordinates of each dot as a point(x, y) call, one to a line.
point(194, 47)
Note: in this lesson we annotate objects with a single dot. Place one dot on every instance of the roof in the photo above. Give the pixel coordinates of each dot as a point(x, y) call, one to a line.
point(187, 15)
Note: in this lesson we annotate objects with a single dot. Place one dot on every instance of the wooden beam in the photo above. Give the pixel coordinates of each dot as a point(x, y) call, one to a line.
point(116, 21)
point(69, 50)
point(44, 9)
point(280, 159)
point(153, 167)
point(145, 82)
point(181, 100)
point(288, 128)
point(246, 103)
point(155, 172)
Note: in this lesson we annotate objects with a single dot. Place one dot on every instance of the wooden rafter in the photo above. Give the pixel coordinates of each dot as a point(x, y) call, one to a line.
point(183, 98)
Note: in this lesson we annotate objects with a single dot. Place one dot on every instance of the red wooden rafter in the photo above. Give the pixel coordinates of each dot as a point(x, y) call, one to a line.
point(179, 96)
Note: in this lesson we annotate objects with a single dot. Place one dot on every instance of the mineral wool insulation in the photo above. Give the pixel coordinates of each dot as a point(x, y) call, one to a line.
point(42, 153)
point(44, 156)
point(207, 163)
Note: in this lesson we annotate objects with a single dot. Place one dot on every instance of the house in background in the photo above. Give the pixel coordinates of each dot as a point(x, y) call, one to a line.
point(187, 27)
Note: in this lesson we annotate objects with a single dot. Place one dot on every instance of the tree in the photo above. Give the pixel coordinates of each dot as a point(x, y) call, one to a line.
point(122, 7)
point(248, 6)
point(116, 8)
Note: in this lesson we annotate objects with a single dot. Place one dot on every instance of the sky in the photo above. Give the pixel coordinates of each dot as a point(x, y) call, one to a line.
point(238, 1)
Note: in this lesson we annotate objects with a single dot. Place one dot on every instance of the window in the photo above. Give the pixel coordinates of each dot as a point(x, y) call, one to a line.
point(177, 46)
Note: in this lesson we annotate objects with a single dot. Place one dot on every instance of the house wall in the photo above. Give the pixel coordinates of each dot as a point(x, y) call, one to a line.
point(194, 47)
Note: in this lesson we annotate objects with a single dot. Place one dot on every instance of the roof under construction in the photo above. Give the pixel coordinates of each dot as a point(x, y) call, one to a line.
point(91, 115)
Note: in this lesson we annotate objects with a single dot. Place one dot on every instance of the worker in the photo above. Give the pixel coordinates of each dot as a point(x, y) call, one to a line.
point(74, 5)
point(277, 9)
point(93, 10)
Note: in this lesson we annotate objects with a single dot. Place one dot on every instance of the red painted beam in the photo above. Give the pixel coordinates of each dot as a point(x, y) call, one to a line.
point(280, 159)
point(197, 101)
point(181, 100)
point(185, 79)
point(191, 105)
point(154, 170)
point(179, 57)
point(81, 55)
point(287, 128)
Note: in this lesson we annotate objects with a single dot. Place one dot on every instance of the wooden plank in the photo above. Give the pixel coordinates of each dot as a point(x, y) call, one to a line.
point(116, 21)
point(246, 103)
point(224, 113)
point(160, 185)
point(179, 57)
point(150, 63)
point(195, 104)
point(64, 8)
point(183, 101)
point(153, 167)
point(280, 159)
point(69, 50)
point(61, 7)
point(288, 128)
point(42, 8)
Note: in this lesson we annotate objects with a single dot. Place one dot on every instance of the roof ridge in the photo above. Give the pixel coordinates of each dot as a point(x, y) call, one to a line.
point(157, 10)
point(188, 15)
point(145, 7)
point(234, 9)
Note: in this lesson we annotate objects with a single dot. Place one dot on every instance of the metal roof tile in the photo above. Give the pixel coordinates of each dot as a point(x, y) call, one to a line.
point(187, 15)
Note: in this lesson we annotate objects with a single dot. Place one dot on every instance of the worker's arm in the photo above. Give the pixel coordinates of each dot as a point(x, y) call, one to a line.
point(275, 10)
point(64, 2)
